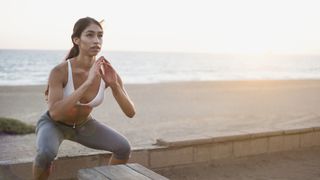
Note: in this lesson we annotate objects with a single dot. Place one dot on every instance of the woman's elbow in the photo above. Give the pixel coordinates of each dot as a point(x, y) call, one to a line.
point(131, 113)
point(53, 115)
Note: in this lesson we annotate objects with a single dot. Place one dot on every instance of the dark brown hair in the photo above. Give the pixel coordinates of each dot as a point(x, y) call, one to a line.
point(78, 28)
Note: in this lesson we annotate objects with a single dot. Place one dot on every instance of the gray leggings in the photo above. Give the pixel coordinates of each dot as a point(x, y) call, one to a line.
point(92, 134)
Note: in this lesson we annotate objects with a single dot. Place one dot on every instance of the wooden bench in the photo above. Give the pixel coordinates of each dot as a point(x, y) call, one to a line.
point(132, 171)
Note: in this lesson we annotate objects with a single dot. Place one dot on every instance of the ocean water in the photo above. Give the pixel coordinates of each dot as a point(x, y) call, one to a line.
point(32, 67)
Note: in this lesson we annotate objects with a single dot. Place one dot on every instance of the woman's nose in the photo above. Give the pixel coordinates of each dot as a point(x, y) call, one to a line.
point(96, 39)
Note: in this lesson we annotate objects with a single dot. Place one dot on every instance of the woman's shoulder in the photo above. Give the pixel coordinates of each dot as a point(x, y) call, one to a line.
point(61, 67)
point(59, 71)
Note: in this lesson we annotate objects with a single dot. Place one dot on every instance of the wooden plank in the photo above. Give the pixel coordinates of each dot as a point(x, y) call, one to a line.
point(89, 174)
point(120, 172)
point(134, 174)
point(146, 172)
point(132, 171)
point(106, 172)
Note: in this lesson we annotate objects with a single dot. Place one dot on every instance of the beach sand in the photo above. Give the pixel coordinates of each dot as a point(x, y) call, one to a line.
point(191, 107)
point(173, 110)
point(293, 165)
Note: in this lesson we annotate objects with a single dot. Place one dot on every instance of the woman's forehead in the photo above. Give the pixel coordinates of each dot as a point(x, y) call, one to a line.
point(93, 28)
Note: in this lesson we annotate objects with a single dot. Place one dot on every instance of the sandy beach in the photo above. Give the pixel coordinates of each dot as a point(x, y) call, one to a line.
point(173, 110)
point(292, 165)
point(167, 108)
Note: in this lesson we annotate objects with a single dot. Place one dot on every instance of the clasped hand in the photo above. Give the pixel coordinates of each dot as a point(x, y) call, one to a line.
point(103, 68)
point(108, 73)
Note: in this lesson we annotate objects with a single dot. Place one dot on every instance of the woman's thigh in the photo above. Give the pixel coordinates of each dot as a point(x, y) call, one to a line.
point(48, 134)
point(48, 140)
point(99, 136)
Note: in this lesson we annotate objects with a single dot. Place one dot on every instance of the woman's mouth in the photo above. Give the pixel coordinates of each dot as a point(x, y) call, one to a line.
point(95, 48)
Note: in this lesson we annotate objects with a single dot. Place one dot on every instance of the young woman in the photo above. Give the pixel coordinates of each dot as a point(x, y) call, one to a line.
point(75, 87)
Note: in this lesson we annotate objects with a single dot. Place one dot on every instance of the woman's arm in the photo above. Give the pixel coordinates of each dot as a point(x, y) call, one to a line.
point(112, 79)
point(122, 98)
point(58, 106)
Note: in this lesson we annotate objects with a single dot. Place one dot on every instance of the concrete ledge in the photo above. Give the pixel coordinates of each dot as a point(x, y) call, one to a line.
point(236, 137)
point(241, 144)
point(179, 151)
point(185, 141)
point(266, 134)
point(299, 131)
point(168, 157)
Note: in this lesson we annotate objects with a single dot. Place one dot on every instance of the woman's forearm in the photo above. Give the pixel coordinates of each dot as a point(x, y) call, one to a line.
point(123, 100)
point(66, 105)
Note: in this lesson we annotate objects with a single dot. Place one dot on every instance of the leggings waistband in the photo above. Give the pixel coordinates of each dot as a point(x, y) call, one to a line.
point(69, 125)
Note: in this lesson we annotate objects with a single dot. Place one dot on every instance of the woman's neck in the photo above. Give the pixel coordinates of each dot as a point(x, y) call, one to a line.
point(85, 61)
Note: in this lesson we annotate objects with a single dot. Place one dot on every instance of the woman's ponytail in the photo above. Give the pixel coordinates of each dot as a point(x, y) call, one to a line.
point(74, 52)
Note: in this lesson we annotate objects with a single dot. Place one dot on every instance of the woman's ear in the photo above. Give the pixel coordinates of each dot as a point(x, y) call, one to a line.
point(76, 40)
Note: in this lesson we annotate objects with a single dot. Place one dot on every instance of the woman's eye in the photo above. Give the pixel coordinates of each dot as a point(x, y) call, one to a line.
point(89, 35)
point(100, 35)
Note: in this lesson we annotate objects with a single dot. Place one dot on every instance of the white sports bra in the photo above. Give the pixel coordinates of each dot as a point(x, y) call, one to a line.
point(69, 88)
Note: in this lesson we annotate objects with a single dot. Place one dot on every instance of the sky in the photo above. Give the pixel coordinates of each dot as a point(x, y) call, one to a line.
point(213, 26)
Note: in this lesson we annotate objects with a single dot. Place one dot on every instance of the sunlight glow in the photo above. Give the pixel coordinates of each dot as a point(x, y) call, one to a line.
point(247, 26)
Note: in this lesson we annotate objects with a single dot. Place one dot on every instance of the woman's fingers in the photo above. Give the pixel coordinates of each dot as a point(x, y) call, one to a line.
point(97, 68)
point(102, 58)
point(105, 70)
point(102, 69)
point(105, 60)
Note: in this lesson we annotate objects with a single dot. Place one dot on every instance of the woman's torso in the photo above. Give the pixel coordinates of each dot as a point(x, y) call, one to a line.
point(92, 97)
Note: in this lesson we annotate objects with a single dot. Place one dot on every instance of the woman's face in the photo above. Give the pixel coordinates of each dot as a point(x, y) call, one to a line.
point(90, 40)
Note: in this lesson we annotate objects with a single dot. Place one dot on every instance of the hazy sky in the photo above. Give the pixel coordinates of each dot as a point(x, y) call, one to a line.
point(245, 26)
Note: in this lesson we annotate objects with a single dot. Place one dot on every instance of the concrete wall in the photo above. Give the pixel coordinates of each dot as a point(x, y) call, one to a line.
point(181, 151)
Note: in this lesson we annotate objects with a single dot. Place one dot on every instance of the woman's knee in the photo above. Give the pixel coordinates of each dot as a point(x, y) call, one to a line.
point(123, 150)
point(44, 157)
